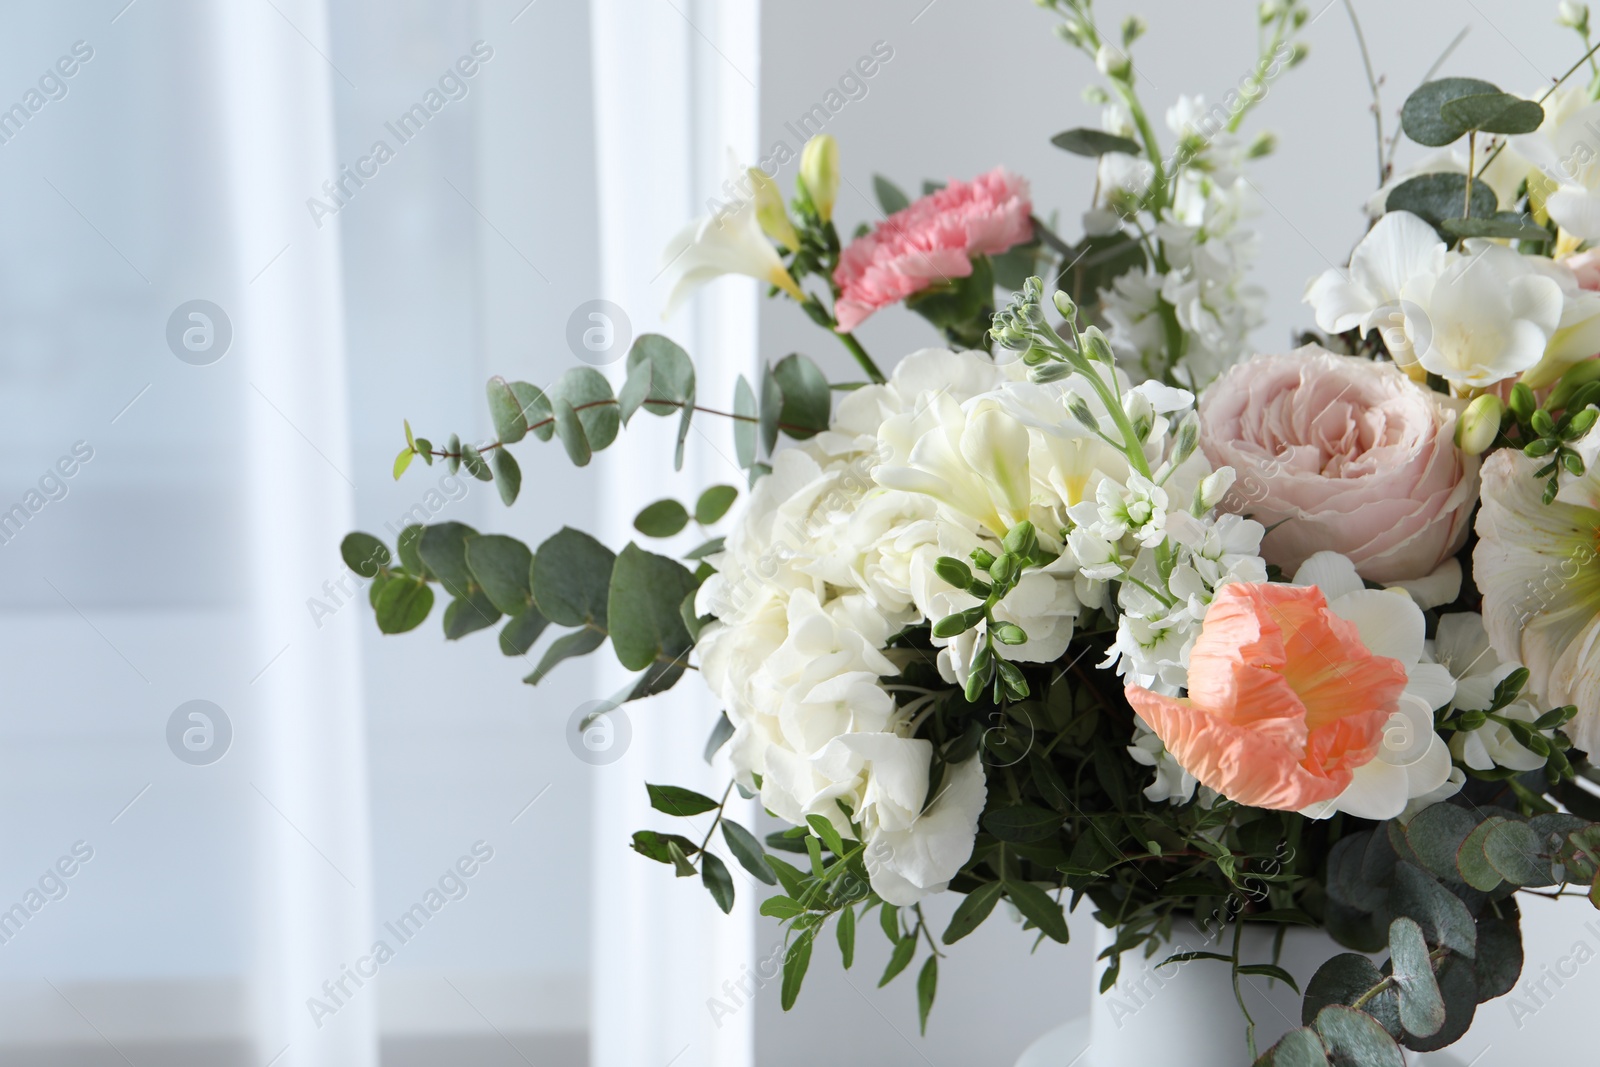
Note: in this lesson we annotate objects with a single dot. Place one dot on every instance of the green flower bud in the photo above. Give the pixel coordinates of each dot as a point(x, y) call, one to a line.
point(1009, 633)
point(953, 571)
point(1572, 15)
point(1522, 402)
point(1081, 411)
point(1479, 424)
point(1064, 305)
point(819, 169)
point(1188, 438)
point(1542, 423)
point(1265, 144)
point(1022, 540)
point(982, 557)
point(1050, 372)
point(770, 212)
point(1003, 569)
point(1133, 28)
point(1581, 423)
point(1471, 720)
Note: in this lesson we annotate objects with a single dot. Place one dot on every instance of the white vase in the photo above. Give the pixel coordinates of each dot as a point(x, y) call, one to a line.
point(1154, 1012)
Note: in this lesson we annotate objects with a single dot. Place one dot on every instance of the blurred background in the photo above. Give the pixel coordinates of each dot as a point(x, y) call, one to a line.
point(218, 300)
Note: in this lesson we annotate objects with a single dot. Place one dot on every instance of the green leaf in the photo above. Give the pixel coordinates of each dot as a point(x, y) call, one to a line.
point(1444, 919)
point(1421, 1006)
point(714, 504)
point(402, 605)
point(501, 565)
point(1356, 1039)
point(845, 931)
point(1037, 906)
point(1423, 116)
point(508, 476)
point(795, 962)
point(1436, 834)
point(472, 459)
point(683, 431)
point(664, 518)
point(958, 302)
point(771, 410)
point(680, 861)
point(1492, 113)
point(443, 547)
point(1299, 1048)
point(889, 920)
point(1459, 988)
point(577, 643)
point(364, 554)
point(1474, 865)
point(675, 800)
point(1436, 197)
point(454, 449)
point(1094, 143)
point(585, 411)
point(425, 450)
point(468, 614)
point(1499, 960)
point(781, 908)
point(715, 877)
point(510, 424)
point(402, 461)
point(1344, 979)
point(970, 913)
point(1514, 850)
point(653, 846)
point(656, 678)
point(748, 851)
point(406, 547)
point(1096, 262)
point(660, 378)
point(710, 548)
point(536, 410)
point(745, 422)
point(1505, 224)
point(807, 401)
point(927, 985)
point(901, 955)
point(890, 198)
point(410, 439)
point(521, 631)
point(1269, 970)
point(826, 832)
point(572, 578)
point(1022, 824)
point(789, 876)
point(645, 625)
point(719, 735)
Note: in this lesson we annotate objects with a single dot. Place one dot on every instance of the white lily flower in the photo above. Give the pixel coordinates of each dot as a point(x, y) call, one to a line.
point(1577, 335)
point(1485, 317)
point(1536, 566)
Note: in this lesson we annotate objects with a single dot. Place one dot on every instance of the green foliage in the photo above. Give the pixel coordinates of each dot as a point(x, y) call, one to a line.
point(646, 625)
point(664, 518)
point(1084, 141)
point(1423, 117)
point(890, 197)
point(714, 504)
point(1438, 197)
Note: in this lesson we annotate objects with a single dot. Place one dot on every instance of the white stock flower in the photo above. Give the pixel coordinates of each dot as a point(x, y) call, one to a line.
point(1462, 645)
point(1172, 782)
point(1412, 761)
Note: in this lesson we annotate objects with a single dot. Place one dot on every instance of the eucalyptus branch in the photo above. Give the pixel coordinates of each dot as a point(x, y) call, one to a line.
point(1587, 56)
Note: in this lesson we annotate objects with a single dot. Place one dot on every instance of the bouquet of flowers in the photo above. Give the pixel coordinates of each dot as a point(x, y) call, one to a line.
point(1093, 606)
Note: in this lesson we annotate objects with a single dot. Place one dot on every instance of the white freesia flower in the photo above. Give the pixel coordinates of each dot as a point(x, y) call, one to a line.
point(1412, 760)
point(1535, 565)
point(1566, 151)
point(1462, 645)
point(731, 241)
point(1485, 317)
point(1577, 335)
point(1399, 249)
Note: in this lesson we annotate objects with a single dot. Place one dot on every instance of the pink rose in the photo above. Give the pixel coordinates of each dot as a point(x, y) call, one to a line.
point(1339, 453)
point(1586, 265)
point(931, 241)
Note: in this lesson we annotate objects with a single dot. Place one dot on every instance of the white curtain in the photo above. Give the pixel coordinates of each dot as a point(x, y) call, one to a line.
point(674, 86)
point(314, 880)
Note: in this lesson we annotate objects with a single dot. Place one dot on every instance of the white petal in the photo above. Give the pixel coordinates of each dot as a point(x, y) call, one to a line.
point(1377, 791)
point(1390, 624)
point(1430, 683)
point(1436, 589)
point(1334, 574)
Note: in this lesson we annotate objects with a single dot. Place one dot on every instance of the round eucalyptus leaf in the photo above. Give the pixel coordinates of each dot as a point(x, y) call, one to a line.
point(1093, 143)
point(1493, 113)
point(661, 519)
point(1422, 117)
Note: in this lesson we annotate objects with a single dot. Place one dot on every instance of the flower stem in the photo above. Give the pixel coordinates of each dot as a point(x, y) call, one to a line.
point(867, 365)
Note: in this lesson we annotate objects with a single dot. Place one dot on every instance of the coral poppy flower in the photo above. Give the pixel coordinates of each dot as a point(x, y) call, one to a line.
point(1285, 700)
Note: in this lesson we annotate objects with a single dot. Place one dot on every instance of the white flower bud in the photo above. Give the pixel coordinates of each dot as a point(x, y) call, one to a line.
point(1209, 493)
point(1065, 306)
point(1113, 62)
point(1573, 15)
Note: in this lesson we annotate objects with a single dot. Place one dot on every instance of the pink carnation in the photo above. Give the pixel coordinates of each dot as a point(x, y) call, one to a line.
point(932, 241)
